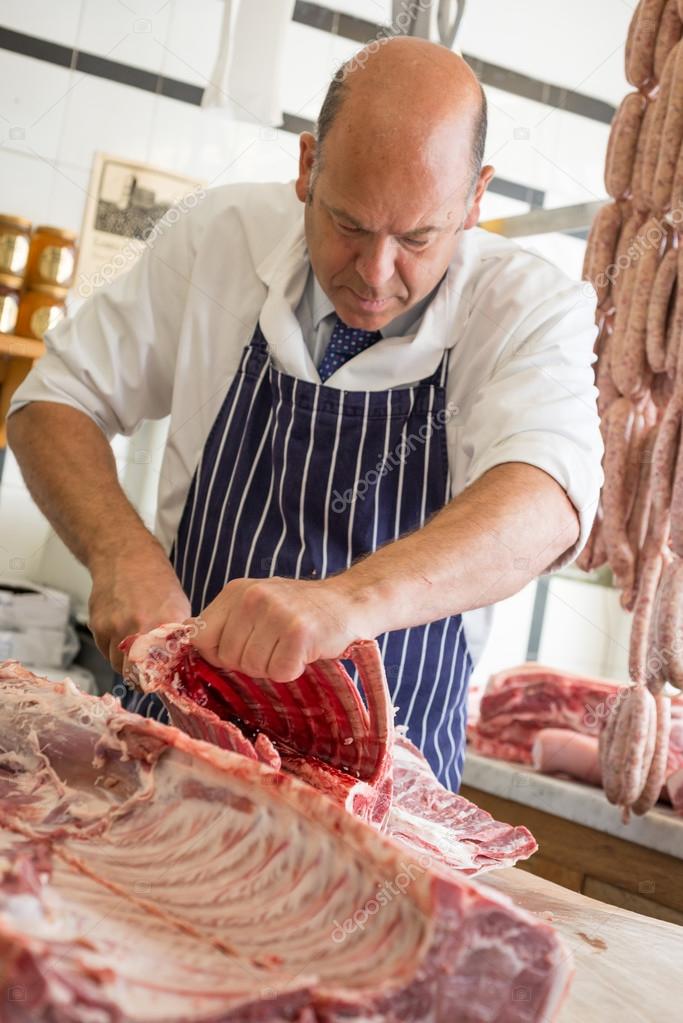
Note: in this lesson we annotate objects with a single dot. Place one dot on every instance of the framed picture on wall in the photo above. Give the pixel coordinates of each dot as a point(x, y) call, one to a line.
point(129, 204)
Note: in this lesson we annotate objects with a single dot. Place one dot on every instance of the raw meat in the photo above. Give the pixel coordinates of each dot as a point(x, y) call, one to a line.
point(674, 764)
point(675, 760)
point(317, 726)
point(357, 774)
point(518, 702)
point(149, 876)
point(455, 833)
point(561, 751)
point(552, 719)
point(674, 784)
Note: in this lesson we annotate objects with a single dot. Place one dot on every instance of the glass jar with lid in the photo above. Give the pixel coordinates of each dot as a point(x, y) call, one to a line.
point(10, 289)
point(15, 236)
point(40, 309)
point(51, 257)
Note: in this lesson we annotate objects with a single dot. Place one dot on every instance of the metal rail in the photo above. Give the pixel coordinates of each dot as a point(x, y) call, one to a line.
point(359, 30)
point(574, 220)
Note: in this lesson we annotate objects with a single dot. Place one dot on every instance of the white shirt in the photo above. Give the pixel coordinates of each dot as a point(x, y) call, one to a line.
point(166, 339)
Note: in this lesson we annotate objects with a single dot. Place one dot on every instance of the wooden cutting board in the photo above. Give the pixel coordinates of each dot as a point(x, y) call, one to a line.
point(629, 968)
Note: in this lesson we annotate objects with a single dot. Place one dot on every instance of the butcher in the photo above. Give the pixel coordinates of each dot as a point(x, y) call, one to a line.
point(382, 418)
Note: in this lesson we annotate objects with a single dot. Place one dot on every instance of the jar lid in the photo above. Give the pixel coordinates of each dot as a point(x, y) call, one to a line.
point(11, 281)
point(20, 222)
point(58, 232)
point(49, 289)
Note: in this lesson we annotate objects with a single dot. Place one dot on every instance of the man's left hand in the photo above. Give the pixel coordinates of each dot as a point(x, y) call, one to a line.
point(272, 628)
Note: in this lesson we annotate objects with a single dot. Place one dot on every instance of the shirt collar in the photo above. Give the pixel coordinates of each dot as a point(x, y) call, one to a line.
point(320, 303)
point(400, 326)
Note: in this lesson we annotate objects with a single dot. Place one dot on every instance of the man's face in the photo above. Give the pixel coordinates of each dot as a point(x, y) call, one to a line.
point(380, 236)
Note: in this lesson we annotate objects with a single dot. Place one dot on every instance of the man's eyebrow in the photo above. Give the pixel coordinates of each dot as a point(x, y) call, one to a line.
point(343, 215)
point(429, 229)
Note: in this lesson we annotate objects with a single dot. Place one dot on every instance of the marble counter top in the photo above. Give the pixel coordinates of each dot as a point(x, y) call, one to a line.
point(660, 829)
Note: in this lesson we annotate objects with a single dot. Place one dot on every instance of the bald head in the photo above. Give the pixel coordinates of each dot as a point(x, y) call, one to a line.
point(407, 95)
point(393, 178)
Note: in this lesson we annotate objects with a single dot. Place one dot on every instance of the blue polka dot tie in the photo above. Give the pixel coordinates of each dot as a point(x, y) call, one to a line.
point(344, 343)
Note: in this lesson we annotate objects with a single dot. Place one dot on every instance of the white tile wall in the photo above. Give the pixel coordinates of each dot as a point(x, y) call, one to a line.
point(133, 32)
point(305, 81)
point(378, 11)
point(509, 638)
point(585, 629)
point(68, 195)
point(560, 153)
point(561, 249)
point(66, 116)
point(209, 145)
point(32, 105)
point(494, 205)
point(179, 132)
point(57, 22)
point(268, 155)
point(24, 532)
point(27, 183)
point(116, 118)
point(191, 44)
point(579, 45)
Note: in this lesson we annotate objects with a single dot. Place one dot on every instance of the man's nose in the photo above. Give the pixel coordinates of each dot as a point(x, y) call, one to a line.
point(375, 263)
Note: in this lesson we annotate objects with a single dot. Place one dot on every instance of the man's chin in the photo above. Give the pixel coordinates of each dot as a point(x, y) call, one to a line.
point(366, 314)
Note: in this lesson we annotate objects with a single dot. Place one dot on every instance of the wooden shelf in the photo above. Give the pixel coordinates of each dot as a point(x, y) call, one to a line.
point(21, 347)
point(19, 354)
point(602, 866)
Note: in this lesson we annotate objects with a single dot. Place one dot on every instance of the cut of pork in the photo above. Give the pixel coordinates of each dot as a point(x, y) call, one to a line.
point(518, 702)
point(316, 727)
point(385, 782)
point(448, 828)
point(563, 751)
point(675, 757)
point(553, 719)
point(148, 877)
point(674, 784)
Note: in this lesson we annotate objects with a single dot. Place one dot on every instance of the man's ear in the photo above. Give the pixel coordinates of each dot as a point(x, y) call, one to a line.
point(307, 150)
point(485, 176)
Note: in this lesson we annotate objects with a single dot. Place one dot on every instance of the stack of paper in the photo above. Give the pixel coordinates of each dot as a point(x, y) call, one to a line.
point(34, 625)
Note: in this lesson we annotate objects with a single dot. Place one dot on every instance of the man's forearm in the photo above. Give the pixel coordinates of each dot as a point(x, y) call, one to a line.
point(69, 469)
point(491, 540)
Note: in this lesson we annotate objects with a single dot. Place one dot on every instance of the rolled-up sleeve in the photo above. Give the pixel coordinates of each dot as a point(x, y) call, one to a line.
point(114, 359)
point(538, 405)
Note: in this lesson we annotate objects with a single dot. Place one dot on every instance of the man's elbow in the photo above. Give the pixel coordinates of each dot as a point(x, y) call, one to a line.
point(566, 530)
point(16, 427)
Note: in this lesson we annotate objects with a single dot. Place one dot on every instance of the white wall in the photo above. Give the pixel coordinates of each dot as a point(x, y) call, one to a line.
point(53, 119)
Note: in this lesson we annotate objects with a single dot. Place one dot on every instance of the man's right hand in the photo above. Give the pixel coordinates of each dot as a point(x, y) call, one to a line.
point(133, 592)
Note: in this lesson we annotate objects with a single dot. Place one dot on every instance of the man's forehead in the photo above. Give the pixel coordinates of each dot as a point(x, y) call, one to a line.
point(407, 192)
point(394, 215)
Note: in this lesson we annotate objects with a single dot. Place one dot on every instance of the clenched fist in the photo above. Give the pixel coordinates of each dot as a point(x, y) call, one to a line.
point(273, 628)
point(133, 593)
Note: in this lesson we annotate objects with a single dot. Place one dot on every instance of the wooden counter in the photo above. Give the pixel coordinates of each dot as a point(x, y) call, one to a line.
point(17, 355)
point(628, 967)
point(583, 845)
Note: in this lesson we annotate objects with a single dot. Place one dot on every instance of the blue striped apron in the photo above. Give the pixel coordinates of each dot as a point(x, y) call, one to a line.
point(299, 480)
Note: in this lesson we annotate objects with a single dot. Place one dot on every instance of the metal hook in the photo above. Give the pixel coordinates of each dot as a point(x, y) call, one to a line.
point(448, 20)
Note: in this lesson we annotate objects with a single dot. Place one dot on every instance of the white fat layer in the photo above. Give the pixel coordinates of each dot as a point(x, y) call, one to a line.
point(200, 886)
